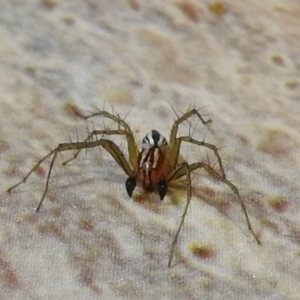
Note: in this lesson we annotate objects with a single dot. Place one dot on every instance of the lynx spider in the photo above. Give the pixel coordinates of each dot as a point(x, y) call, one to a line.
point(153, 167)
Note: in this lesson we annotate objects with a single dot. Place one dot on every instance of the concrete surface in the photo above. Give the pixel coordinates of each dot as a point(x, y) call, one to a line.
point(236, 60)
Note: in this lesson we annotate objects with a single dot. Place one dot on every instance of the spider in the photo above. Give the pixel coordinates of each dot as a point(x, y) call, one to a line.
point(153, 167)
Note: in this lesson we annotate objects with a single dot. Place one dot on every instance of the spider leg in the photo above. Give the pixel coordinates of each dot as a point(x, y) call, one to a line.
point(95, 133)
point(212, 147)
point(184, 169)
point(174, 143)
point(192, 167)
point(110, 146)
point(131, 144)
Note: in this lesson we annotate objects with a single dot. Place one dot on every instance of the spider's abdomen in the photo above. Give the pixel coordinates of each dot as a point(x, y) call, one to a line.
point(151, 168)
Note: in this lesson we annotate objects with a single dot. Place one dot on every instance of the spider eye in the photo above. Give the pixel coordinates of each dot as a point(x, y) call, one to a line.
point(130, 185)
point(162, 188)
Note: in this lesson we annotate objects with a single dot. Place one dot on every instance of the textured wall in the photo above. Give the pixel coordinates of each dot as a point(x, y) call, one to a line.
point(237, 60)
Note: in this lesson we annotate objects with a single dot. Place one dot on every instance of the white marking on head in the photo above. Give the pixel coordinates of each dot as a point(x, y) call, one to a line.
point(153, 139)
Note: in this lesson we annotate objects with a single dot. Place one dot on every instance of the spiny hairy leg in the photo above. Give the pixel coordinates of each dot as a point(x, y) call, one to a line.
point(174, 143)
point(131, 144)
point(180, 172)
point(212, 147)
point(110, 146)
point(185, 169)
point(90, 139)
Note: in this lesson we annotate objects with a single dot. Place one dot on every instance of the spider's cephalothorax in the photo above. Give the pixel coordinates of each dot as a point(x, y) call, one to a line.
point(151, 168)
point(154, 167)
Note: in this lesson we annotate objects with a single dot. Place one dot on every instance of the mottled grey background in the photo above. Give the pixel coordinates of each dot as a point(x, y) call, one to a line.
point(237, 60)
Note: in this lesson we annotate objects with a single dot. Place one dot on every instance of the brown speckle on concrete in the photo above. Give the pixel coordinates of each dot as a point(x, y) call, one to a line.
point(134, 4)
point(218, 8)
point(277, 59)
point(68, 19)
point(40, 171)
point(51, 228)
point(8, 275)
point(50, 4)
point(292, 84)
point(277, 142)
point(190, 9)
point(278, 203)
point(73, 110)
point(86, 224)
point(202, 250)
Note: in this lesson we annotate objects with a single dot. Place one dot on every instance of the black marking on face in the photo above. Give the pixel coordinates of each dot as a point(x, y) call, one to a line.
point(155, 136)
point(153, 139)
